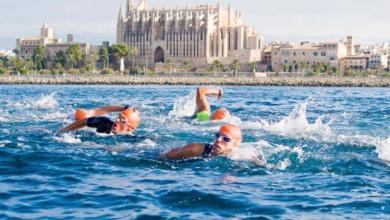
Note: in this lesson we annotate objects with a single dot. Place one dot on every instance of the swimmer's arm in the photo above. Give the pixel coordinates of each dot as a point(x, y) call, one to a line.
point(75, 126)
point(204, 91)
point(107, 109)
point(186, 152)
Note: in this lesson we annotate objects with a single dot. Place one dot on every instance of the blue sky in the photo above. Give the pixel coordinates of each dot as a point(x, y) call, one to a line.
point(288, 20)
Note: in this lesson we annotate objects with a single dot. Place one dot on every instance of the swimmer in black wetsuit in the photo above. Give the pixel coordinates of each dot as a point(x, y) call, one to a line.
point(127, 121)
point(227, 139)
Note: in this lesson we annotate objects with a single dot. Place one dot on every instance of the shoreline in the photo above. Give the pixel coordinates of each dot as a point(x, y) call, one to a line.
point(222, 81)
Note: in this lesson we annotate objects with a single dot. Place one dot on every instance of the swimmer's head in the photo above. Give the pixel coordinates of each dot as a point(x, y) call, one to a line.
point(127, 121)
point(81, 114)
point(227, 139)
point(220, 114)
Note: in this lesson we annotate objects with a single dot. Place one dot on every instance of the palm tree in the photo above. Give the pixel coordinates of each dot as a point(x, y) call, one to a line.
point(303, 65)
point(170, 65)
point(217, 65)
point(104, 57)
point(133, 52)
point(235, 65)
point(252, 66)
point(185, 65)
point(119, 51)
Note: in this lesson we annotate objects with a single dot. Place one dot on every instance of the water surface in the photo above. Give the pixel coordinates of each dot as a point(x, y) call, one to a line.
point(325, 154)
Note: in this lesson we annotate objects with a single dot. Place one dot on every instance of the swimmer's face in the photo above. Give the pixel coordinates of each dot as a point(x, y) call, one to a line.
point(227, 139)
point(127, 124)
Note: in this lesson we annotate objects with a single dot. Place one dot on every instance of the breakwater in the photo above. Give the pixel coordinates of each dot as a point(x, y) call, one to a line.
point(166, 80)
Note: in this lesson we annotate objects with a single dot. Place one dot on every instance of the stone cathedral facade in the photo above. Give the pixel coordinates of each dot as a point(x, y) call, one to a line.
point(198, 35)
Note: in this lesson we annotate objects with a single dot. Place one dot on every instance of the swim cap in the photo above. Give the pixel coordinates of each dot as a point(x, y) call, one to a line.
point(81, 114)
point(221, 114)
point(232, 130)
point(133, 117)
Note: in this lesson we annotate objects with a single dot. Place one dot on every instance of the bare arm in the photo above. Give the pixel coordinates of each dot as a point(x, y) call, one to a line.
point(106, 110)
point(75, 126)
point(201, 97)
point(186, 152)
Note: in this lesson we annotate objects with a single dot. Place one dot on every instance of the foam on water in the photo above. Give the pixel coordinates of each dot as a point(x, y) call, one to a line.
point(67, 138)
point(45, 102)
point(294, 125)
point(383, 150)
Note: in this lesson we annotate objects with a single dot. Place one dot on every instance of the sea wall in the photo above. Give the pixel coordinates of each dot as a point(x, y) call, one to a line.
point(239, 81)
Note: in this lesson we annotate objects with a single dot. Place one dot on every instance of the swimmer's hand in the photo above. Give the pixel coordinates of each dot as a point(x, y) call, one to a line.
point(220, 94)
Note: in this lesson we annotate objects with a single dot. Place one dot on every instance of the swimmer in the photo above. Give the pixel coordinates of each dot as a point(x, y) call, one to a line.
point(128, 120)
point(227, 139)
point(203, 110)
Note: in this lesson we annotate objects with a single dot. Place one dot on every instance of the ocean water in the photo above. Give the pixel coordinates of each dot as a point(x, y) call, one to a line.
point(322, 153)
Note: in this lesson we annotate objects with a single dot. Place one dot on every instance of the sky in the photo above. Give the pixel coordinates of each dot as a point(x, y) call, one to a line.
point(94, 21)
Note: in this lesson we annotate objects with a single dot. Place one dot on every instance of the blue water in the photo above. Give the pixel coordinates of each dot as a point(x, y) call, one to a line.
point(324, 154)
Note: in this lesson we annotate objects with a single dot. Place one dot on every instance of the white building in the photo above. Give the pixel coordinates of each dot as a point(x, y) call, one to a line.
point(378, 61)
point(305, 54)
point(26, 46)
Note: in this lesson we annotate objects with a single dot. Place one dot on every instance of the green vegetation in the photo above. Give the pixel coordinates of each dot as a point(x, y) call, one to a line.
point(107, 60)
point(235, 65)
point(74, 56)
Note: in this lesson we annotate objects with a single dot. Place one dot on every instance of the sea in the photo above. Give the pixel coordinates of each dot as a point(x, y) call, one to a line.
point(307, 153)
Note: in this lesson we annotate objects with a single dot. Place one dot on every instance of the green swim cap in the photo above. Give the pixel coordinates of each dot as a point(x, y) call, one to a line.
point(203, 116)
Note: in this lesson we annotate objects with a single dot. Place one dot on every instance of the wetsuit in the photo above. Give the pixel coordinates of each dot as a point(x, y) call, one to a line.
point(208, 149)
point(102, 124)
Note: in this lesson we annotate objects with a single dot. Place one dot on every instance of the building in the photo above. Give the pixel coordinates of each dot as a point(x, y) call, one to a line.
point(378, 61)
point(199, 35)
point(350, 46)
point(70, 38)
point(26, 46)
point(355, 63)
point(288, 57)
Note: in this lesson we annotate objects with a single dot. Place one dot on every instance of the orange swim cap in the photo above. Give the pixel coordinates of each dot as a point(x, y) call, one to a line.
point(232, 130)
point(221, 114)
point(81, 114)
point(133, 117)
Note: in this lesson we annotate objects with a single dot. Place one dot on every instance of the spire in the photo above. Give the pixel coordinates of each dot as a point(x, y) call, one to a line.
point(142, 5)
point(120, 16)
point(129, 6)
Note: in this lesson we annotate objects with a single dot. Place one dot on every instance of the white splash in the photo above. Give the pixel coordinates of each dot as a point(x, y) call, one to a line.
point(47, 101)
point(184, 106)
point(68, 138)
point(383, 150)
point(295, 125)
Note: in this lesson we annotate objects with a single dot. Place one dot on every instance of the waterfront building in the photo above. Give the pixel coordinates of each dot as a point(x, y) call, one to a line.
point(198, 34)
point(355, 63)
point(378, 61)
point(289, 57)
point(26, 46)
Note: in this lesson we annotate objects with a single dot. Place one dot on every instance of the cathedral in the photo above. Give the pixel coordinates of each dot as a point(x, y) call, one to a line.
point(198, 35)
